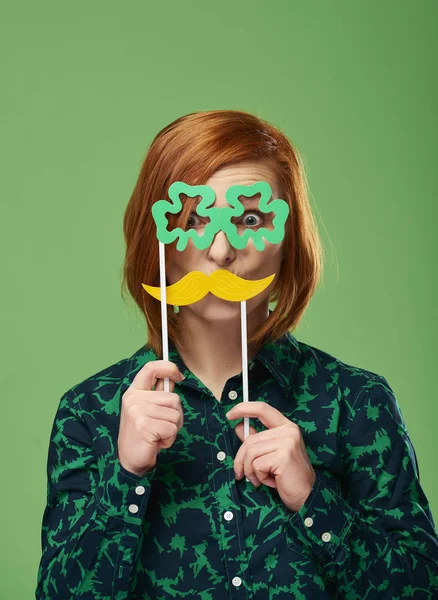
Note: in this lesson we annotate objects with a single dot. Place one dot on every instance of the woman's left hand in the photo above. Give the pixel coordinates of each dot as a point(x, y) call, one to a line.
point(276, 457)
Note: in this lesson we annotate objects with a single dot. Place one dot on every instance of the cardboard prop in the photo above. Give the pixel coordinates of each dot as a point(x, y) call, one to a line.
point(195, 285)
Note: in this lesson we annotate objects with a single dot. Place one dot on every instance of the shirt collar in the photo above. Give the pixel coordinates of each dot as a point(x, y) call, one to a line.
point(280, 357)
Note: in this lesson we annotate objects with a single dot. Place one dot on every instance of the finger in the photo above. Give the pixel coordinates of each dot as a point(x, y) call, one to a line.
point(163, 401)
point(142, 397)
point(254, 452)
point(148, 375)
point(239, 466)
point(266, 434)
point(239, 429)
point(162, 413)
point(160, 385)
point(248, 471)
point(264, 470)
point(171, 401)
point(238, 461)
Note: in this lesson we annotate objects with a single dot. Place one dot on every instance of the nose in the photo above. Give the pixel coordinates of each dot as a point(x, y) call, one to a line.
point(221, 251)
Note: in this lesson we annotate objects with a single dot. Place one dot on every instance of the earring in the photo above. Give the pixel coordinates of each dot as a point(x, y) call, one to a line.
point(176, 309)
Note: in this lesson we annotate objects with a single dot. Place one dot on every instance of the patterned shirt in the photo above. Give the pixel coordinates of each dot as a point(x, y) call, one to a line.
point(189, 529)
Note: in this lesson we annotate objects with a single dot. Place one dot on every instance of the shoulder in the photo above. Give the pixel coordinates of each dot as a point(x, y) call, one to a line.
point(323, 371)
point(103, 389)
point(329, 363)
point(341, 388)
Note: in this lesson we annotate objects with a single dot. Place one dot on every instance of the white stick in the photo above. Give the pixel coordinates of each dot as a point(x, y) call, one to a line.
point(164, 335)
point(244, 366)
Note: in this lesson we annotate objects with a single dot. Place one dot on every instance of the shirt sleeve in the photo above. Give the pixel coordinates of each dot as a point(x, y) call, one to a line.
point(92, 523)
point(371, 530)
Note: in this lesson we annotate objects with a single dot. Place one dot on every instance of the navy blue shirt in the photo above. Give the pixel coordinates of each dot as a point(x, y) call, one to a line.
point(189, 529)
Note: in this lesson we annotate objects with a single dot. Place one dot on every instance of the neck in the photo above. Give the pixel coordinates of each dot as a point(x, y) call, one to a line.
point(210, 344)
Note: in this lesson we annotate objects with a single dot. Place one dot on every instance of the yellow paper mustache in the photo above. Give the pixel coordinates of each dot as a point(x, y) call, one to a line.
point(223, 284)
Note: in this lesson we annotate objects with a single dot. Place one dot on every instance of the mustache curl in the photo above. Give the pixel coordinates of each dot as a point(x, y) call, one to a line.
point(221, 283)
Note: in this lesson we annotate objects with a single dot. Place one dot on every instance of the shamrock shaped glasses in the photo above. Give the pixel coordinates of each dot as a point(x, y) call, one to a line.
point(220, 218)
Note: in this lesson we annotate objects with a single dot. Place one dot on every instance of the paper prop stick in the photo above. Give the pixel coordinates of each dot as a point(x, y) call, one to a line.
point(195, 285)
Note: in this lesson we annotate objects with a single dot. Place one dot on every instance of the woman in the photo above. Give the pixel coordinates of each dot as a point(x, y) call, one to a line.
point(158, 495)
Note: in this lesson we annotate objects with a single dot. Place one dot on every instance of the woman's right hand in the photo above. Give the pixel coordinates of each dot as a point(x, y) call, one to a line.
point(150, 419)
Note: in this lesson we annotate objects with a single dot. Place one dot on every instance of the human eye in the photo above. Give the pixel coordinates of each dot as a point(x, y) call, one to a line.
point(249, 214)
point(193, 221)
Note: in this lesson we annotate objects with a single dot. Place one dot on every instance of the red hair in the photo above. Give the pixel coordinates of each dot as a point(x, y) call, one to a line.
point(191, 149)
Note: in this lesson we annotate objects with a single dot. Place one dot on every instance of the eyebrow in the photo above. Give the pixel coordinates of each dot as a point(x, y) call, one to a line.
point(243, 199)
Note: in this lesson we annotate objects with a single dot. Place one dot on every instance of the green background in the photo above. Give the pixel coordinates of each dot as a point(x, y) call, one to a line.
point(85, 88)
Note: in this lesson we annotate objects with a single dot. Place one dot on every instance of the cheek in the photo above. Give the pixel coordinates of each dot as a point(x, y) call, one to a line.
point(270, 257)
point(277, 252)
point(181, 264)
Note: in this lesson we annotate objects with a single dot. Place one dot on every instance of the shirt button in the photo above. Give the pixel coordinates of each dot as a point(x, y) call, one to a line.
point(133, 508)
point(228, 515)
point(139, 490)
point(308, 522)
point(220, 455)
point(232, 395)
point(236, 581)
point(326, 537)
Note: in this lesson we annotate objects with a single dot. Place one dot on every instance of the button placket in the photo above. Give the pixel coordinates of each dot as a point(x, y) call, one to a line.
point(135, 504)
point(228, 515)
